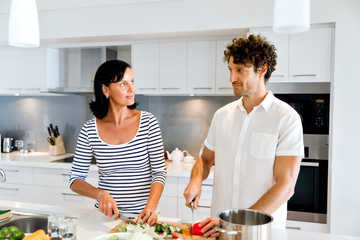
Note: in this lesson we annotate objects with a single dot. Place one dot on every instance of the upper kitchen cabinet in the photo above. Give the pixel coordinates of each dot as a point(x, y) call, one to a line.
point(160, 68)
point(26, 71)
point(223, 85)
point(146, 65)
point(201, 67)
point(173, 68)
point(302, 57)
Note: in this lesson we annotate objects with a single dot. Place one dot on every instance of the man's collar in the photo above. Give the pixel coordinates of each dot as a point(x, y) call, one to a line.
point(265, 104)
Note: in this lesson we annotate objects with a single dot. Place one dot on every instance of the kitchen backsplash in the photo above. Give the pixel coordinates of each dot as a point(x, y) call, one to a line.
point(184, 120)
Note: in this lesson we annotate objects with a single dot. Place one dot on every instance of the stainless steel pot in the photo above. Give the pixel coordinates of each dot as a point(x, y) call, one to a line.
point(244, 224)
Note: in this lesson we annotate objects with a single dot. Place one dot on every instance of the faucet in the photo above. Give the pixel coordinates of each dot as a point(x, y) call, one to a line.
point(3, 176)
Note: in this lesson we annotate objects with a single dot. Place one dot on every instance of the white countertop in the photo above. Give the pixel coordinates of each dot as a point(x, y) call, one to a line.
point(92, 223)
point(44, 160)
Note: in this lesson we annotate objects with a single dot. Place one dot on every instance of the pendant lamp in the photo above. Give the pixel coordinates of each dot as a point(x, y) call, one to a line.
point(24, 24)
point(291, 16)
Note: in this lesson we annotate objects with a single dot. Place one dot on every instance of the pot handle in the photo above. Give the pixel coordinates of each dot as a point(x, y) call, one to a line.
point(217, 228)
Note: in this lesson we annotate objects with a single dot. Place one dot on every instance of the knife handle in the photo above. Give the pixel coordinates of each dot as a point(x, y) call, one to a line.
point(49, 131)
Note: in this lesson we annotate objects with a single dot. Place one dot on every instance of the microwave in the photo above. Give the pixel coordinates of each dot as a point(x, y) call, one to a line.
point(313, 109)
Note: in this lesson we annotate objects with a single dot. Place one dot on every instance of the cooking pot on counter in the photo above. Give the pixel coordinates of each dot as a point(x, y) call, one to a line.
point(244, 224)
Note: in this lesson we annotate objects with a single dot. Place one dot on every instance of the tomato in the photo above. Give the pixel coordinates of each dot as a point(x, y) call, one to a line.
point(175, 235)
point(196, 230)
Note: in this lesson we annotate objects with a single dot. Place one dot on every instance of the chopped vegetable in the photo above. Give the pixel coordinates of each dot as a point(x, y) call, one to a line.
point(159, 231)
point(175, 235)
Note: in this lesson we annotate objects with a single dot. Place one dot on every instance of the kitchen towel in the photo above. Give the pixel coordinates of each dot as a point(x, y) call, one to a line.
point(5, 214)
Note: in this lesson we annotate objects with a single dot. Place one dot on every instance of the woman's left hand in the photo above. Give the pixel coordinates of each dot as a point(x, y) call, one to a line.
point(148, 215)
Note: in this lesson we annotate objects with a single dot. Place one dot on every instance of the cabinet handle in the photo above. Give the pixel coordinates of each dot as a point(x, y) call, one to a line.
point(278, 76)
point(147, 88)
point(10, 189)
point(208, 185)
point(32, 89)
point(17, 89)
point(295, 228)
point(204, 88)
point(304, 75)
point(65, 174)
point(11, 170)
point(71, 194)
point(225, 88)
point(171, 88)
point(201, 206)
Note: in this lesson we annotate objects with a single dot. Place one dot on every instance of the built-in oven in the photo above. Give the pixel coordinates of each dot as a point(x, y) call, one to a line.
point(309, 202)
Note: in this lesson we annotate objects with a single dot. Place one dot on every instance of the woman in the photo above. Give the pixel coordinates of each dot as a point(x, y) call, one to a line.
point(127, 145)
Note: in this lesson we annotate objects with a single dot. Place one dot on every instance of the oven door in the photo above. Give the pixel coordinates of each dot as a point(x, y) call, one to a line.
point(309, 202)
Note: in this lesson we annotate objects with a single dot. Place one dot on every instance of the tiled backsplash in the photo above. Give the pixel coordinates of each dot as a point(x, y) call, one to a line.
point(184, 120)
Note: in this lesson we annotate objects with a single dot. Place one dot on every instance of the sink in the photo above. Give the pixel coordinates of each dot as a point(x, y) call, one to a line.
point(28, 224)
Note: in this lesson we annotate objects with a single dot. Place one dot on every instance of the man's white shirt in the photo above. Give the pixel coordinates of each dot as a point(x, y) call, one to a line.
point(245, 147)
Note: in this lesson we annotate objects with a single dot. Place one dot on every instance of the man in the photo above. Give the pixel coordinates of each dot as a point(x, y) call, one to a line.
point(255, 143)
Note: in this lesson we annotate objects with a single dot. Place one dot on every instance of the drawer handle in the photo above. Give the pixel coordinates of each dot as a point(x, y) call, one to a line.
point(65, 174)
point(71, 194)
point(304, 75)
point(202, 206)
point(10, 189)
point(208, 185)
point(147, 88)
point(202, 88)
point(174, 88)
point(11, 170)
point(277, 76)
point(295, 228)
point(225, 88)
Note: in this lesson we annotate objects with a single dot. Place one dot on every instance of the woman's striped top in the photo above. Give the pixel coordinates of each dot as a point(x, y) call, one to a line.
point(126, 171)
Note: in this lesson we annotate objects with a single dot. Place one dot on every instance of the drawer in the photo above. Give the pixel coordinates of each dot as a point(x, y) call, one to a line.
point(16, 192)
point(59, 177)
point(61, 197)
point(170, 188)
point(21, 175)
point(168, 206)
point(206, 189)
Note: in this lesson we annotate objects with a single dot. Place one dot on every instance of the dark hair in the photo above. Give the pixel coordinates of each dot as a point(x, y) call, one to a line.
point(254, 50)
point(109, 72)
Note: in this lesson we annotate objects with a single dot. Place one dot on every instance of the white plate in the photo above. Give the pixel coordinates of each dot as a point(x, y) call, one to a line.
point(124, 235)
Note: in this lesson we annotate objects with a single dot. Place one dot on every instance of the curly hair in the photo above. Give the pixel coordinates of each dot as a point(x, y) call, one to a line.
point(254, 50)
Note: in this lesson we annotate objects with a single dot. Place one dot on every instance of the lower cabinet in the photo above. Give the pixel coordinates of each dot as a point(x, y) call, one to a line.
point(172, 201)
point(16, 192)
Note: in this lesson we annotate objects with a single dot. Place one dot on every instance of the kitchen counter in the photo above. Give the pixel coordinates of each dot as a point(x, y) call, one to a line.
point(92, 223)
point(44, 160)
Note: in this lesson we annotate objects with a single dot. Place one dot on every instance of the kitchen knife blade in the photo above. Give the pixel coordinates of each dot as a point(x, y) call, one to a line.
point(192, 212)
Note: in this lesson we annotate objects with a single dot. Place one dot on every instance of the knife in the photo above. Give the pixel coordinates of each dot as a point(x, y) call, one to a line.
point(52, 130)
point(192, 212)
point(57, 130)
point(125, 218)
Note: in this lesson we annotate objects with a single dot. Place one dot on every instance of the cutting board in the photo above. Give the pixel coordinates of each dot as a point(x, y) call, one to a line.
point(184, 226)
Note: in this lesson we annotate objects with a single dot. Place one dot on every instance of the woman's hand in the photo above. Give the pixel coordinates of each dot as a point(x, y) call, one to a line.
point(209, 227)
point(107, 204)
point(148, 215)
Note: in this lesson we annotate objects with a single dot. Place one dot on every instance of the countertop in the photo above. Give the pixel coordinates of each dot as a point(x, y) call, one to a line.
point(92, 223)
point(44, 160)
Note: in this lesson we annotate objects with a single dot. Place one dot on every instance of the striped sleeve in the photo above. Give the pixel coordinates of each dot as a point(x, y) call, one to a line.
point(156, 151)
point(82, 156)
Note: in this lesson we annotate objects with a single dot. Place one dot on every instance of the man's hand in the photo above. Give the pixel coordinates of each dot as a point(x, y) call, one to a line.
point(209, 227)
point(192, 192)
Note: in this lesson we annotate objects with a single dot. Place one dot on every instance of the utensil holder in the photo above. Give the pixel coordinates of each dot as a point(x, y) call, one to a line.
point(58, 148)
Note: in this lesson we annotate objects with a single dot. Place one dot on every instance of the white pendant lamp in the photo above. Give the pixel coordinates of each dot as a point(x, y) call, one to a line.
point(291, 16)
point(24, 24)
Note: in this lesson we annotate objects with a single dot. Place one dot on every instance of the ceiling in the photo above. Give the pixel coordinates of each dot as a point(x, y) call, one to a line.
point(43, 5)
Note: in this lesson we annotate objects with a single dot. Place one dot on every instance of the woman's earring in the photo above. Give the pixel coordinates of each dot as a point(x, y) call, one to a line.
point(107, 97)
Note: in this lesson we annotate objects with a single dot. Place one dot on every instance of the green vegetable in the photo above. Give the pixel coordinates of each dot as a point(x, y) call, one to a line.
point(113, 237)
point(122, 228)
point(11, 233)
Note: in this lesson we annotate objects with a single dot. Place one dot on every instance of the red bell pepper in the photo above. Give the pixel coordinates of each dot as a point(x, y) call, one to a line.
point(196, 230)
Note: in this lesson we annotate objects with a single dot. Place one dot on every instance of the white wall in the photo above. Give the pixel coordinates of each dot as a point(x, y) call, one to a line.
point(197, 15)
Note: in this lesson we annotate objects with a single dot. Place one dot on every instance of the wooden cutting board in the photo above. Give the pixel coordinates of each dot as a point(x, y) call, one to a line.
point(184, 226)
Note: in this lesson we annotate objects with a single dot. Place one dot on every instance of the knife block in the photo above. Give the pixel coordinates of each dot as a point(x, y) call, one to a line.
point(58, 148)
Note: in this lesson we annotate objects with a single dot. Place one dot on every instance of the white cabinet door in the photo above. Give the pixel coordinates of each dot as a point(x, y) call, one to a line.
point(223, 85)
point(146, 67)
point(173, 68)
point(16, 192)
point(310, 56)
point(20, 175)
point(201, 67)
point(203, 211)
point(281, 43)
point(11, 69)
point(35, 69)
point(168, 206)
